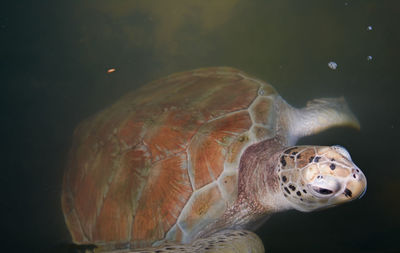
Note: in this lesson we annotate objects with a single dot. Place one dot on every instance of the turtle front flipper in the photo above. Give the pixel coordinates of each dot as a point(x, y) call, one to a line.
point(319, 115)
point(227, 241)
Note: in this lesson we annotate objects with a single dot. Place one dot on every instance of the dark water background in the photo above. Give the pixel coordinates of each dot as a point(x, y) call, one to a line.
point(54, 56)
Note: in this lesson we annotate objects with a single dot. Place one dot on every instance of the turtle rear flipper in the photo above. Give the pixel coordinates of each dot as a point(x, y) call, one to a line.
point(319, 115)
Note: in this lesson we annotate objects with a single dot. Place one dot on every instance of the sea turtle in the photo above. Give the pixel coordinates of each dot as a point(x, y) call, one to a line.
point(195, 160)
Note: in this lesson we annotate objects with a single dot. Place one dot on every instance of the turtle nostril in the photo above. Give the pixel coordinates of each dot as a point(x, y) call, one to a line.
point(356, 173)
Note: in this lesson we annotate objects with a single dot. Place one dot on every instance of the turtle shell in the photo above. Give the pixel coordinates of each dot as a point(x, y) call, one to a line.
point(162, 162)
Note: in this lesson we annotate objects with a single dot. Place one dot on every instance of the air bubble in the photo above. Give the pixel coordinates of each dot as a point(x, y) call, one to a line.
point(332, 65)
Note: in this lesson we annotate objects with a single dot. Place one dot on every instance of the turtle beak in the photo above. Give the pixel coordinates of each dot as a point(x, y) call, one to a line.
point(355, 187)
point(365, 190)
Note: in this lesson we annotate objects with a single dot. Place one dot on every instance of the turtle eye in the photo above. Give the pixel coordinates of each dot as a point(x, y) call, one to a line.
point(322, 191)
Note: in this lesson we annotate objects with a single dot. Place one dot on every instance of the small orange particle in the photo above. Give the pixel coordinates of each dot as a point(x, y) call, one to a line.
point(110, 70)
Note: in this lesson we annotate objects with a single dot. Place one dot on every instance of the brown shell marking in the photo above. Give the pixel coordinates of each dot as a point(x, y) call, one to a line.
point(163, 198)
point(207, 202)
point(120, 191)
point(260, 109)
point(228, 185)
point(133, 166)
point(236, 147)
point(165, 136)
point(209, 146)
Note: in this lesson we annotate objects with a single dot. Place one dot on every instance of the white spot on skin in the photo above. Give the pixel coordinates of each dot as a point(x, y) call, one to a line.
point(332, 65)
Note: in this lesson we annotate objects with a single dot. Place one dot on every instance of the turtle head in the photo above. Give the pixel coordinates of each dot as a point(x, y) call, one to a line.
point(317, 177)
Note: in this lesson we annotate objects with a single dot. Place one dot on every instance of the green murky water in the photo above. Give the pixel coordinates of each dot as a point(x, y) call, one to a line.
point(54, 61)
